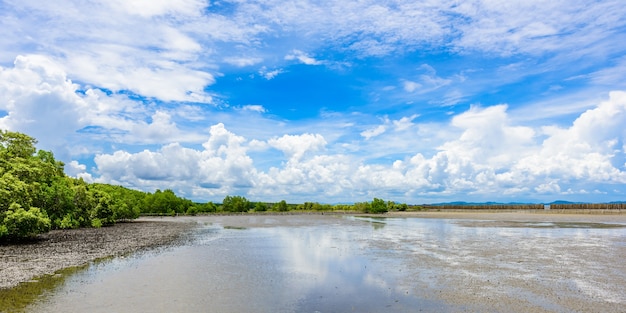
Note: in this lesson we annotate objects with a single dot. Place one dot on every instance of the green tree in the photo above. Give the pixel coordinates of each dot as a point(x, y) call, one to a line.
point(235, 204)
point(193, 210)
point(364, 207)
point(102, 213)
point(20, 223)
point(13, 190)
point(208, 207)
point(402, 207)
point(50, 168)
point(281, 206)
point(260, 207)
point(378, 206)
point(57, 197)
point(16, 145)
point(83, 202)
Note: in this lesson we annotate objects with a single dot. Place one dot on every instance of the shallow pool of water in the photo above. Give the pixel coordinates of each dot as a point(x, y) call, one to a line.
point(349, 264)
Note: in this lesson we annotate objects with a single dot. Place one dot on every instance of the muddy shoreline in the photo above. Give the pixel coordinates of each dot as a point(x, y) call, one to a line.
point(60, 249)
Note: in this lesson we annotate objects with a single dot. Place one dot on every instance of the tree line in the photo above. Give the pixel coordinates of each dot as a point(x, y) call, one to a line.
point(239, 204)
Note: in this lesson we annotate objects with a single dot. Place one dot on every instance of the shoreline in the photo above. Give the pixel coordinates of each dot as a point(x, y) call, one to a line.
point(61, 249)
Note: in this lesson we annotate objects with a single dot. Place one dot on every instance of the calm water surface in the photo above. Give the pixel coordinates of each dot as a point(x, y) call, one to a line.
point(333, 265)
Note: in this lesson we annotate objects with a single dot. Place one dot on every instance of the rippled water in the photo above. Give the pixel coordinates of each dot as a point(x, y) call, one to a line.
point(355, 265)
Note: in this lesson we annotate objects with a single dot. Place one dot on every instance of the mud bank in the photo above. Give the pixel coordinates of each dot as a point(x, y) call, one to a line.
point(59, 249)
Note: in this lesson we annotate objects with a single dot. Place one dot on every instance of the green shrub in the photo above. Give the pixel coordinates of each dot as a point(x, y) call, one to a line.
point(235, 204)
point(20, 223)
point(96, 223)
point(402, 207)
point(260, 207)
point(378, 206)
point(104, 208)
point(281, 206)
point(193, 210)
point(69, 221)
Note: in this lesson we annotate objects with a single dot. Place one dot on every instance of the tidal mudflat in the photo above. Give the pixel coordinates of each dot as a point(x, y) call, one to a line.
point(436, 263)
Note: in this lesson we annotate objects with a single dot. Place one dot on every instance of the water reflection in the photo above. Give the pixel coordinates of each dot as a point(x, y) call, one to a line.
point(363, 265)
point(332, 269)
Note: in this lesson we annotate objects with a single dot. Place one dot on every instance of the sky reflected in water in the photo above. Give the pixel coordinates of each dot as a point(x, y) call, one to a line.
point(347, 264)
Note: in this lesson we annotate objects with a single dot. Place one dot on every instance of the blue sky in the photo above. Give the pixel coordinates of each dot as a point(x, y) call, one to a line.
point(328, 101)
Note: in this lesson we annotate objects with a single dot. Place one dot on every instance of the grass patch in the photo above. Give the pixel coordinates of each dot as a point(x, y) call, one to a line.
point(234, 227)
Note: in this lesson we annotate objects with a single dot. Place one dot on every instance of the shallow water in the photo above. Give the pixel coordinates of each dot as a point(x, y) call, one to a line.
point(359, 265)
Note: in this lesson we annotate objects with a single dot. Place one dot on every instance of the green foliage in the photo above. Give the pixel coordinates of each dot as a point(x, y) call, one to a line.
point(208, 207)
point(281, 206)
point(193, 210)
point(125, 203)
point(96, 223)
point(82, 202)
point(20, 223)
point(401, 207)
point(364, 207)
point(235, 204)
point(378, 206)
point(57, 198)
point(68, 221)
point(314, 206)
point(343, 207)
point(36, 195)
point(260, 207)
point(103, 211)
point(16, 145)
point(165, 202)
point(13, 190)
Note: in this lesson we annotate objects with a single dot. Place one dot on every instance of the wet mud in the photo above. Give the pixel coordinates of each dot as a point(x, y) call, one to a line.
point(59, 249)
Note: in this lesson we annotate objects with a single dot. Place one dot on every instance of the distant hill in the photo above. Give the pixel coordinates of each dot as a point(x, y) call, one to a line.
point(564, 202)
point(569, 202)
point(461, 203)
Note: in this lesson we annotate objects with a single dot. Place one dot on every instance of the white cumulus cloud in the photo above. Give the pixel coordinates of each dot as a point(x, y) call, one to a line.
point(296, 146)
